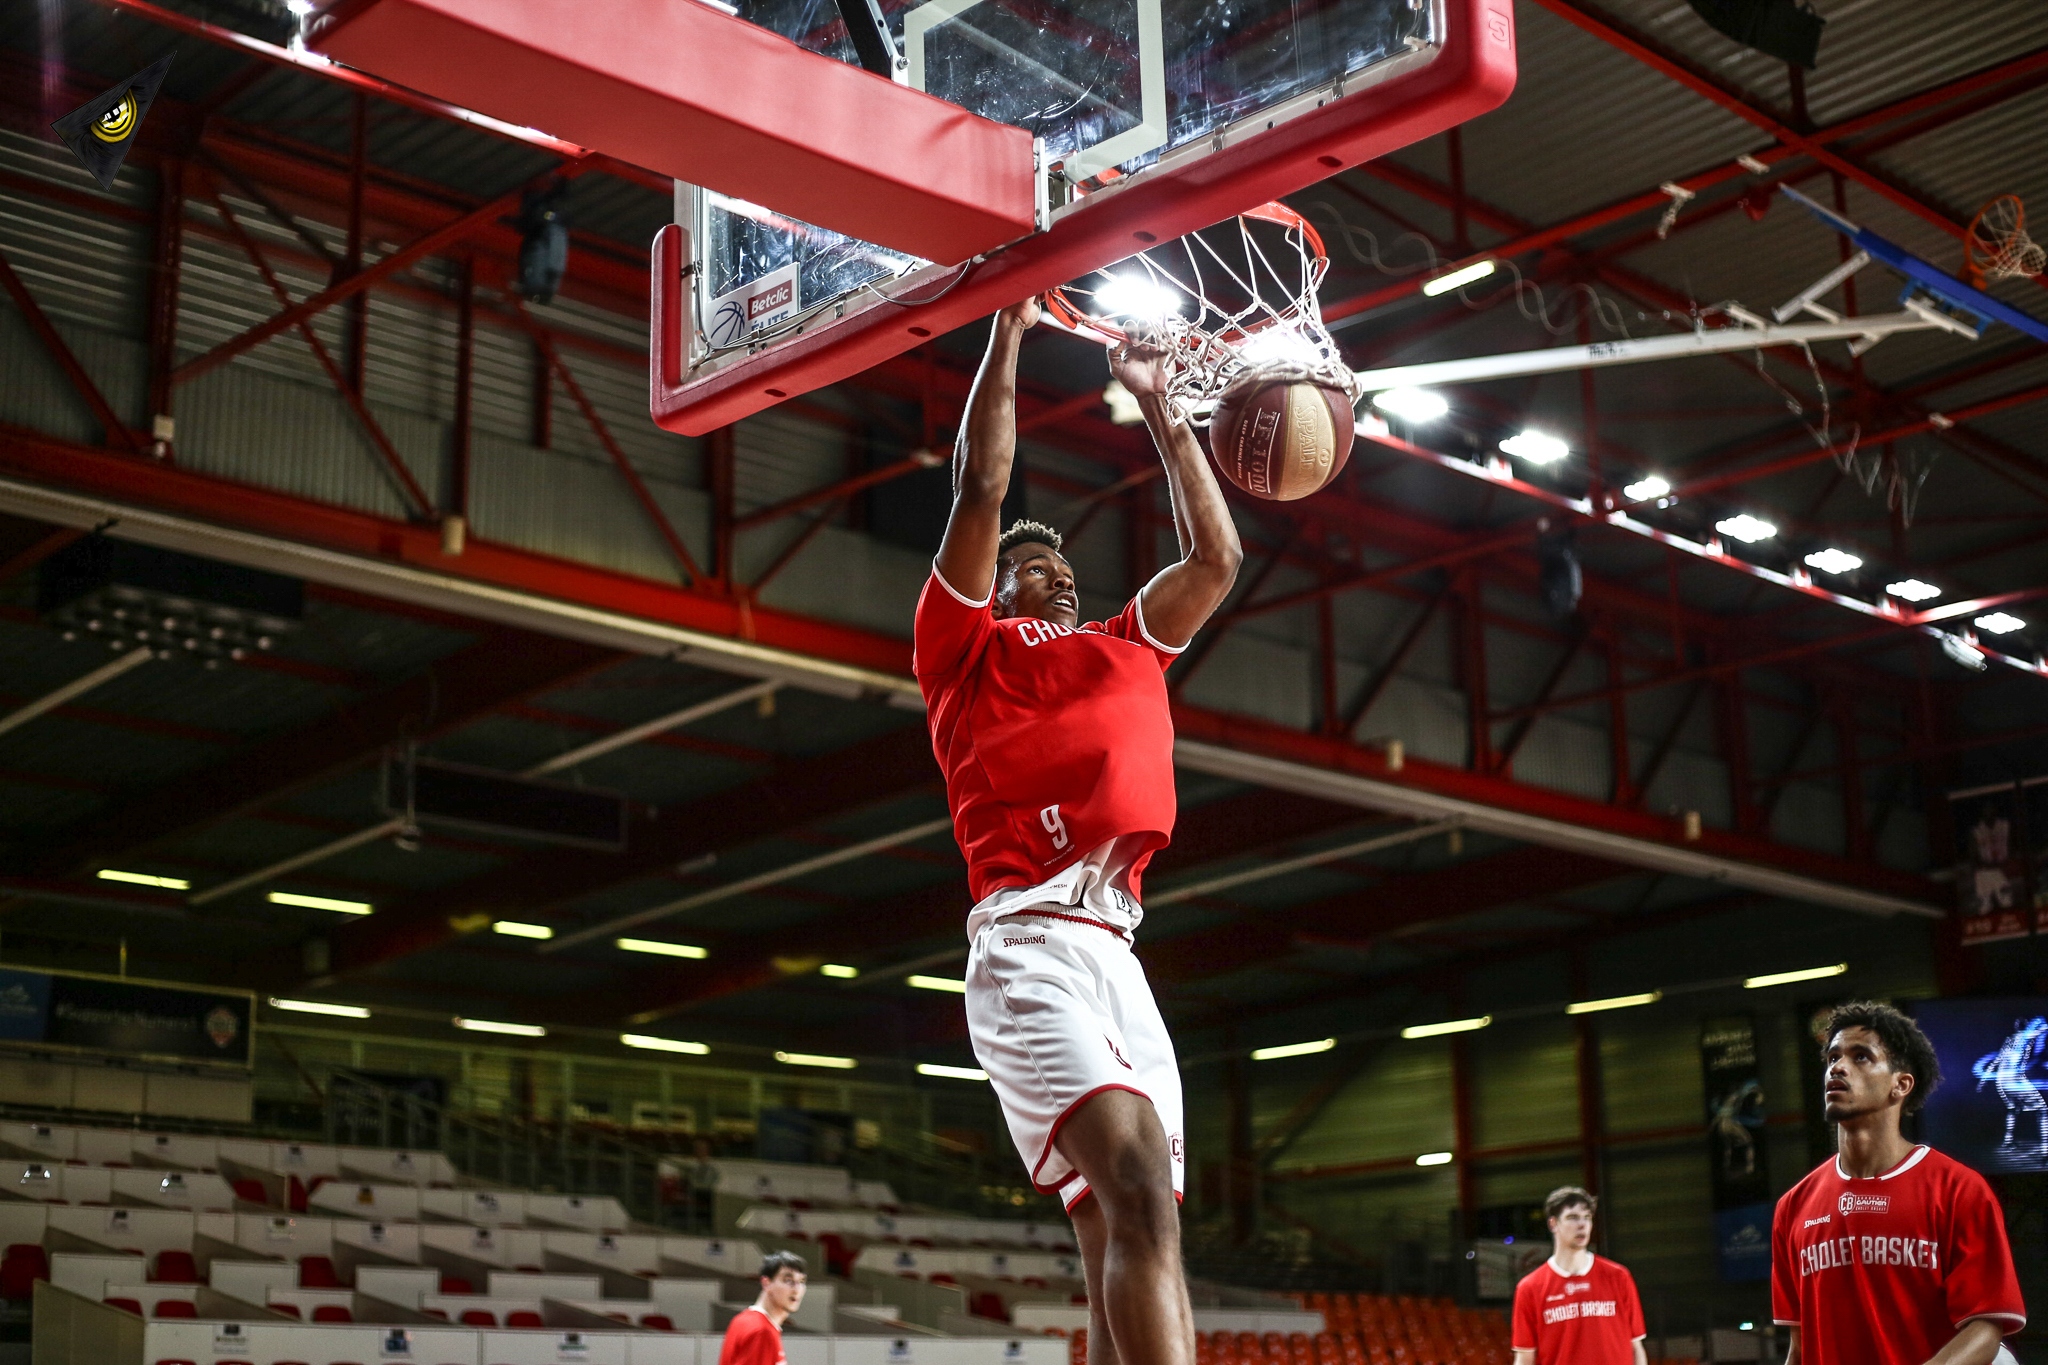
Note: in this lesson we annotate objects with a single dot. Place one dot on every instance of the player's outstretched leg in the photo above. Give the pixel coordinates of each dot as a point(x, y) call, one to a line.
point(1129, 1233)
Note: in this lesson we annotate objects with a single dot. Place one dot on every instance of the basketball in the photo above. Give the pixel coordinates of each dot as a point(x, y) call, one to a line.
point(1281, 439)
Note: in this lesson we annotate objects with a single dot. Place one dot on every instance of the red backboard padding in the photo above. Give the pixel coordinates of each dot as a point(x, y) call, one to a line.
point(1473, 74)
point(692, 93)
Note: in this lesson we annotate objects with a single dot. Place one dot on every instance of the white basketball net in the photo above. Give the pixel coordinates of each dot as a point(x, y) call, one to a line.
point(1998, 246)
point(1231, 306)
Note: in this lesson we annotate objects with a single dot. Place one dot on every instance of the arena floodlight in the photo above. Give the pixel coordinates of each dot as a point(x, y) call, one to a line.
point(653, 1044)
point(1912, 590)
point(340, 907)
point(1537, 447)
point(660, 948)
point(1137, 297)
point(319, 1007)
point(112, 874)
point(1755, 983)
point(952, 1073)
point(839, 970)
point(816, 1059)
point(517, 930)
point(1435, 1159)
point(1273, 1054)
point(936, 983)
point(1832, 560)
point(1458, 279)
point(1613, 1002)
point(1746, 528)
point(494, 1026)
point(2000, 623)
point(1411, 405)
point(1447, 1026)
point(1646, 488)
point(1962, 651)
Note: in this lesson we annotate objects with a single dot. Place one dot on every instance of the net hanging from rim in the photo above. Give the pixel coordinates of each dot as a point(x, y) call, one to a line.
point(1997, 246)
point(1233, 306)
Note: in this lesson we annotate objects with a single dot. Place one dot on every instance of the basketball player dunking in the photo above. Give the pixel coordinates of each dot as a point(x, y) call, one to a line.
point(1057, 747)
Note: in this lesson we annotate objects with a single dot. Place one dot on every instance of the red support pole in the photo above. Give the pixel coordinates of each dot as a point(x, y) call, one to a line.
point(1586, 1058)
point(355, 348)
point(1472, 671)
point(1620, 762)
point(543, 400)
point(465, 386)
point(1733, 713)
point(719, 453)
point(163, 287)
point(1464, 1141)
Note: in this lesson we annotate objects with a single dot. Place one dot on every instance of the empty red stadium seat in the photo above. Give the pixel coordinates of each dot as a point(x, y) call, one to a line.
point(295, 1194)
point(22, 1265)
point(175, 1308)
point(175, 1267)
point(125, 1305)
point(440, 1313)
point(943, 1278)
point(332, 1312)
point(838, 1256)
point(177, 1362)
point(478, 1317)
point(251, 1190)
point(523, 1317)
point(660, 1322)
point(988, 1304)
point(290, 1310)
point(317, 1272)
point(455, 1284)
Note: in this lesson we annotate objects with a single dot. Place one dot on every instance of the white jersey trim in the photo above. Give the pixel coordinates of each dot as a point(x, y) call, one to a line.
point(961, 597)
point(1139, 602)
point(1919, 1155)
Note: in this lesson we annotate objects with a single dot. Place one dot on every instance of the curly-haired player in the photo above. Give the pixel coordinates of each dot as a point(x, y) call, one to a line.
point(1057, 746)
point(1889, 1254)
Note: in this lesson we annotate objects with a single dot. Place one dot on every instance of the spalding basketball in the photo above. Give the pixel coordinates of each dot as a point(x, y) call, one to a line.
point(1279, 438)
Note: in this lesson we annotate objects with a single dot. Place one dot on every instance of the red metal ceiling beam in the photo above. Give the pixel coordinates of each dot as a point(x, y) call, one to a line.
point(117, 432)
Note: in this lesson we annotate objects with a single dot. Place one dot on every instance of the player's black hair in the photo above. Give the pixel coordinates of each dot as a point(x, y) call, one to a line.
point(1023, 532)
point(1569, 1197)
point(776, 1262)
point(1905, 1046)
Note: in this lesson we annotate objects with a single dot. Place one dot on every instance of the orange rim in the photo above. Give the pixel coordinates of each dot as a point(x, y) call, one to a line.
point(1979, 250)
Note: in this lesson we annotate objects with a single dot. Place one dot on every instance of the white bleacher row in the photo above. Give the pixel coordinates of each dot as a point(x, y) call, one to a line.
point(782, 1181)
point(60, 1143)
point(862, 1227)
point(925, 1262)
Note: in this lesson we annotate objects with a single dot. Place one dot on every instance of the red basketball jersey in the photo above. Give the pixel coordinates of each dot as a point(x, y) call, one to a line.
point(752, 1338)
point(1883, 1271)
point(1589, 1319)
point(1054, 739)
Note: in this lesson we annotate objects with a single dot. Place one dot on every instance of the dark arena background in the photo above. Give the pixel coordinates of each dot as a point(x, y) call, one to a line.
point(461, 837)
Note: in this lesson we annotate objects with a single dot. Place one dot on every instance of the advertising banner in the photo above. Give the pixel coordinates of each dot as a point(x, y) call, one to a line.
point(1739, 1173)
point(2001, 863)
point(143, 1019)
point(1991, 1109)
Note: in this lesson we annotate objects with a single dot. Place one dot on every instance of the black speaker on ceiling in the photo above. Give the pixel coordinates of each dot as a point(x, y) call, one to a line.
point(1558, 578)
point(1784, 29)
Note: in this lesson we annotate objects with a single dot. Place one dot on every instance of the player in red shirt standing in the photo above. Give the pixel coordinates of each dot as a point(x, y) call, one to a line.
point(755, 1336)
point(1889, 1254)
point(1576, 1308)
point(1057, 745)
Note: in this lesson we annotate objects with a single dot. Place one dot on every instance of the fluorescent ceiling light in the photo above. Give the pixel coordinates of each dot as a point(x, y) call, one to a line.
point(1269, 1054)
point(1411, 405)
point(1448, 1026)
point(1746, 528)
point(936, 983)
point(1912, 590)
point(1537, 447)
point(493, 1026)
point(1613, 1002)
point(1434, 1159)
point(663, 1044)
point(2000, 623)
point(319, 903)
point(660, 949)
point(518, 930)
point(1138, 297)
point(108, 874)
point(1648, 487)
point(1832, 560)
point(1787, 978)
point(316, 1007)
point(952, 1073)
point(840, 970)
point(1457, 279)
point(813, 1059)
point(1277, 343)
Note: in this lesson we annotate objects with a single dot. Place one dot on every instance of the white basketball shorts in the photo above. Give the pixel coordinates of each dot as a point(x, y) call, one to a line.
point(1058, 1011)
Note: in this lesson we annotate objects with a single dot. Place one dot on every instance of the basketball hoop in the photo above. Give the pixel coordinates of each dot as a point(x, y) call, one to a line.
point(1233, 307)
point(1997, 246)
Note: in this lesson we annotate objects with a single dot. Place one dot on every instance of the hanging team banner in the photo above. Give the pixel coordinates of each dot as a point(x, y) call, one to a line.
point(100, 131)
point(1739, 1172)
point(124, 1017)
point(2001, 864)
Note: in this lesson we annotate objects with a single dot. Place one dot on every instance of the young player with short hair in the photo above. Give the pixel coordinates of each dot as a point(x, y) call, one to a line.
point(754, 1337)
point(1889, 1253)
point(1057, 745)
point(1576, 1308)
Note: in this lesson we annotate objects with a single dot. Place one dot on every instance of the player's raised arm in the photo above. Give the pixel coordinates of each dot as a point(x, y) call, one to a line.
point(1182, 596)
point(982, 458)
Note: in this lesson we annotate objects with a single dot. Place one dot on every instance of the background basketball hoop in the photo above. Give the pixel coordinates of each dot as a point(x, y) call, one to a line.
point(1997, 246)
